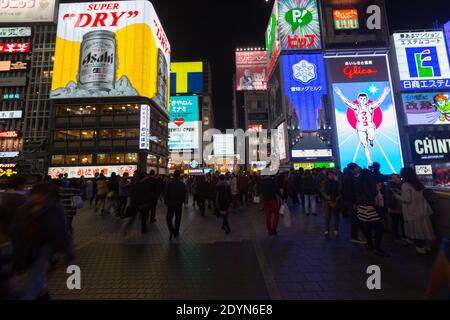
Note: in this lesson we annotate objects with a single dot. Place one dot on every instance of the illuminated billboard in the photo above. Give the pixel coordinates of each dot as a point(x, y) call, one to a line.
point(422, 60)
point(223, 144)
point(272, 39)
point(101, 52)
point(89, 172)
point(27, 11)
point(447, 36)
point(427, 147)
point(15, 32)
point(427, 108)
point(350, 23)
point(15, 47)
point(13, 114)
point(299, 25)
point(251, 70)
point(144, 128)
point(365, 114)
point(186, 77)
point(305, 83)
point(184, 124)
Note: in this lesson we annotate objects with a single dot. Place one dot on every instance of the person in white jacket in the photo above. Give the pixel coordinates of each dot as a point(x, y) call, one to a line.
point(416, 211)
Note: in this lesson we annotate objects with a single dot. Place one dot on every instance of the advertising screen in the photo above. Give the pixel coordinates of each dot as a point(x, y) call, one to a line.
point(279, 142)
point(7, 66)
point(422, 60)
point(427, 108)
point(10, 144)
point(299, 25)
point(447, 36)
point(15, 47)
point(186, 77)
point(366, 120)
point(251, 70)
point(9, 154)
point(430, 146)
point(20, 11)
point(273, 39)
point(13, 114)
point(305, 83)
point(89, 172)
point(275, 95)
point(350, 23)
point(184, 125)
point(100, 52)
point(144, 128)
point(15, 32)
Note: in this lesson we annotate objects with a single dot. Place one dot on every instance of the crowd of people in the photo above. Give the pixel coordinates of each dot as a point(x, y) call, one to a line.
point(36, 225)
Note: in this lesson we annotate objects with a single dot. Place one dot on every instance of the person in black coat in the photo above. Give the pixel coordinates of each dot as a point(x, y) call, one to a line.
point(174, 197)
point(223, 200)
point(150, 188)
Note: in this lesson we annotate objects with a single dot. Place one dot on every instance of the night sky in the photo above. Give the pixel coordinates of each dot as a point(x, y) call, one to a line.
point(212, 29)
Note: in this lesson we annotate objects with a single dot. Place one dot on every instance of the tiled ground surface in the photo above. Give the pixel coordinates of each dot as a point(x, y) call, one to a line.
point(246, 264)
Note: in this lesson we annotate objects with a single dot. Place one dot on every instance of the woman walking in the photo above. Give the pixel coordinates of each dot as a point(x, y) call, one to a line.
point(416, 211)
point(224, 198)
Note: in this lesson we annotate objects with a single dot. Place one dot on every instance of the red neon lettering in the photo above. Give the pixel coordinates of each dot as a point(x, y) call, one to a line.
point(350, 72)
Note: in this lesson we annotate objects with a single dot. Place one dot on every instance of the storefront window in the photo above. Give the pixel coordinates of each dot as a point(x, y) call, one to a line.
point(131, 158)
point(103, 158)
point(107, 110)
point(86, 159)
point(132, 133)
point(57, 160)
point(87, 134)
point(105, 134)
point(133, 108)
point(117, 158)
point(71, 159)
point(118, 133)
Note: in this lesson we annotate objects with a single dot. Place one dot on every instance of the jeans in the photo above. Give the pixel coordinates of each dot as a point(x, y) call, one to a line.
point(272, 208)
point(397, 222)
point(328, 213)
point(171, 212)
point(376, 228)
point(310, 203)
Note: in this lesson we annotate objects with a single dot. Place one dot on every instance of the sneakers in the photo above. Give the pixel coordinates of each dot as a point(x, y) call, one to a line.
point(359, 241)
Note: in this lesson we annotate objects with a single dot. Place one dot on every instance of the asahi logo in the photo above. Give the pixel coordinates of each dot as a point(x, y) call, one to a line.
point(93, 58)
point(432, 146)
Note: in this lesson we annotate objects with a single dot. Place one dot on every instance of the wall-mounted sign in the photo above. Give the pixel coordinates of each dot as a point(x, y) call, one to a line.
point(9, 134)
point(15, 47)
point(20, 11)
point(11, 96)
point(13, 66)
point(10, 144)
point(7, 172)
point(430, 147)
point(89, 172)
point(312, 154)
point(186, 77)
point(16, 32)
point(303, 165)
point(255, 127)
point(424, 170)
point(9, 154)
point(8, 165)
point(427, 108)
point(365, 114)
point(251, 70)
point(184, 124)
point(346, 19)
point(144, 130)
point(273, 39)
point(13, 82)
point(447, 36)
point(422, 60)
point(13, 114)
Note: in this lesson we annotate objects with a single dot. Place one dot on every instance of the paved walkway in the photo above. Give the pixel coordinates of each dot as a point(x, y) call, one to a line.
point(246, 264)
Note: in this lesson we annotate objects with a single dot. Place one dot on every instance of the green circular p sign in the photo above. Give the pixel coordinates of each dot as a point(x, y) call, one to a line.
point(298, 18)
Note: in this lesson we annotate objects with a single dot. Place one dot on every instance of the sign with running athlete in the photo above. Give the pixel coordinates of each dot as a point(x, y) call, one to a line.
point(365, 114)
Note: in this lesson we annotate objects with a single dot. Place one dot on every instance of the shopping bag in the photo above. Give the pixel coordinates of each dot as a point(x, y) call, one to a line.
point(287, 219)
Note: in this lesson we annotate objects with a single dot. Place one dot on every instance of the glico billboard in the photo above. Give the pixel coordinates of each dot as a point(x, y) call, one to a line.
point(365, 114)
point(422, 60)
point(111, 49)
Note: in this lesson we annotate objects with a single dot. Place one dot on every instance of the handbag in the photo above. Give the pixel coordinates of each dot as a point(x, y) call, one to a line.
point(77, 202)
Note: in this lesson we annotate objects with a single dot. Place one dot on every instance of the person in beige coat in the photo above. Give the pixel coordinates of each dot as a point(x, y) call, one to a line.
point(416, 211)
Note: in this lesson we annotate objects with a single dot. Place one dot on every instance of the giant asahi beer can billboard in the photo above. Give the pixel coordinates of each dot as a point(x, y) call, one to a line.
point(111, 49)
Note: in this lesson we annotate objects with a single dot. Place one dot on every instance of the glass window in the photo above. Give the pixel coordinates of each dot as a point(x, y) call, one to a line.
point(131, 158)
point(105, 134)
point(61, 135)
point(118, 133)
point(107, 109)
point(86, 159)
point(103, 158)
point(120, 109)
point(73, 134)
point(57, 160)
point(87, 134)
point(132, 133)
point(71, 159)
point(117, 158)
point(133, 108)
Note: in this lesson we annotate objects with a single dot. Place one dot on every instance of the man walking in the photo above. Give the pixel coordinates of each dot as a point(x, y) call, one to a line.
point(174, 198)
point(151, 191)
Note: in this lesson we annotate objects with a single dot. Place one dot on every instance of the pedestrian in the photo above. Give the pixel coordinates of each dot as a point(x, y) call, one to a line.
point(331, 194)
point(175, 195)
point(416, 211)
point(38, 232)
point(94, 190)
point(150, 193)
point(271, 202)
point(292, 187)
point(299, 185)
point(82, 185)
point(102, 192)
point(137, 203)
point(67, 195)
point(348, 190)
point(394, 205)
point(367, 191)
point(440, 273)
point(124, 193)
point(112, 196)
point(202, 194)
point(310, 190)
point(234, 190)
point(224, 197)
point(242, 181)
point(89, 191)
